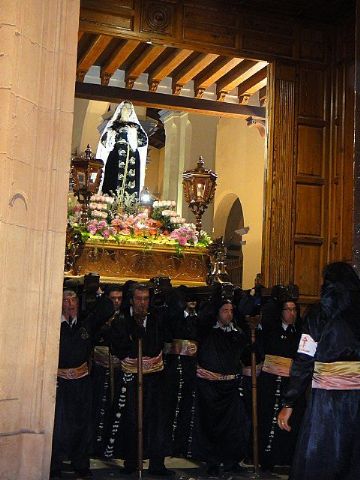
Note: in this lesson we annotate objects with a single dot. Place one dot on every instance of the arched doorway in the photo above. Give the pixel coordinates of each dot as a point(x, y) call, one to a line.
point(233, 242)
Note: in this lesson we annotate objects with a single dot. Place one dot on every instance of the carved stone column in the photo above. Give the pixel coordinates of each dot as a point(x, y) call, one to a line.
point(177, 149)
point(37, 65)
point(187, 137)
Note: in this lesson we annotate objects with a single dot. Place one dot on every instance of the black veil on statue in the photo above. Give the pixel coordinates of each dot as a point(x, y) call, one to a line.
point(123, 148)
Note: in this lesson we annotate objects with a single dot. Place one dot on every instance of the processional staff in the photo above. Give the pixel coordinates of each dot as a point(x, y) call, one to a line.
point(140, 394)
point(253, 323)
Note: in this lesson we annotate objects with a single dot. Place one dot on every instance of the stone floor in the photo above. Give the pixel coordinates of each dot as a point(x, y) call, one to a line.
point(184, 470)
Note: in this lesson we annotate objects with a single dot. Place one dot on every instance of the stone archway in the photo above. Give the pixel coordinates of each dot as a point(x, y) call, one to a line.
point(228, 219)
point(233, 242)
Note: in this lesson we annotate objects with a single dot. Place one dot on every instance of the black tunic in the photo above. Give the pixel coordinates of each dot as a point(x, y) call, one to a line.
point(105, 382)
point(276, 446)
point(72, 436)
point(221, 424)
point(122, 440)
point(180, 371)
point(329, 442)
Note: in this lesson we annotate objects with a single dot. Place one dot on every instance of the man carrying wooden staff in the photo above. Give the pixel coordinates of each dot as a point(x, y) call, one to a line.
point(253, 322)
point(140, 332)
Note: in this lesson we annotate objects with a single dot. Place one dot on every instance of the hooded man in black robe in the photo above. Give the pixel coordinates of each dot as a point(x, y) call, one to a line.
point(328, 447)
point(280, 338)
point(72, 435)
point(221, 425)
point(180, 369)
point(137, 323)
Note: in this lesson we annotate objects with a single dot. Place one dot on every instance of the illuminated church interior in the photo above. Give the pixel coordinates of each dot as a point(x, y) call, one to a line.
point(203, 146)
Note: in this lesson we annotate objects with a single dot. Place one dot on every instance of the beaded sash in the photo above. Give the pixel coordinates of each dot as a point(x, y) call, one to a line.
point(246, 371)
point(337, 376)
point(149, 364)
point(276, 365)
point(101, 357)
point(213, 376)
point(181, 347)
point(73, 373)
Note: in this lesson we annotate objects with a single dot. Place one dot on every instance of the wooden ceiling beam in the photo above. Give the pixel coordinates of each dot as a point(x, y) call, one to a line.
point(215, 71)
point(96, 47)
point(168, 65)
point(142, 63)
point(170, 102)
point(117, 59)
point(233, 78)
point(253, 83)
point(188, 72)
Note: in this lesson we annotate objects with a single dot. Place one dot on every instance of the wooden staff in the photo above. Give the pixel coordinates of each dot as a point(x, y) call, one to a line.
point(253, 322)
point(140, 408)
point(111, 375)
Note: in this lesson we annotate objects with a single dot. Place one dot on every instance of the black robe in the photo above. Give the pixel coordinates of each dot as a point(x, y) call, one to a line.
point(276, 447)
point(72, 435)
point(222, 427)
point(328, 447)
point(123, 163)
point(105, 381)
point(122, 441)
point(180, 371)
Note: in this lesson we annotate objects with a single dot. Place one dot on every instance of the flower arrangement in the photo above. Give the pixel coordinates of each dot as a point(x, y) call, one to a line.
point(164, 226)
point(164, 212)
point(185, 235)
point(100, 206)
point(100, 227)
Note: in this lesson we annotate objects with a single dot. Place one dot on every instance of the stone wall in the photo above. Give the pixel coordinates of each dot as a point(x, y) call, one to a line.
point(38, 41)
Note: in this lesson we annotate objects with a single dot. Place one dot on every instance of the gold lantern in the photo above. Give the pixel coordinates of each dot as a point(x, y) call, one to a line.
point(199, 189)
point(86, 174)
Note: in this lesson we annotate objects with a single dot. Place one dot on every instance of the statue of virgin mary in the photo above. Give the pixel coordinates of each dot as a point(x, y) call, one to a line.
point(123, 148)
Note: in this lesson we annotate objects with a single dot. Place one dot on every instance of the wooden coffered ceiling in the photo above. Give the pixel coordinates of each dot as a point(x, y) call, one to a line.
point(134, 58)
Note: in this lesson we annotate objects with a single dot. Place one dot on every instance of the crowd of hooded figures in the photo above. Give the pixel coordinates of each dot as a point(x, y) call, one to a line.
point(197, 386)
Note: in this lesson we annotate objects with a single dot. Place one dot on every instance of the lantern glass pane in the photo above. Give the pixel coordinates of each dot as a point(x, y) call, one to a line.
point(81, 179)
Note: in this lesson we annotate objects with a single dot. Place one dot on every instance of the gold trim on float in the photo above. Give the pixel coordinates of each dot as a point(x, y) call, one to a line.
point(116, 263)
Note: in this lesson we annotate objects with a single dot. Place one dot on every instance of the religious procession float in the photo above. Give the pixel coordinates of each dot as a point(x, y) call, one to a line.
point(117, 229)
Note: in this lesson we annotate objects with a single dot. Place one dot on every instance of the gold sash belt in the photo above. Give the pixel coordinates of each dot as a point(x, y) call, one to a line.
point(246, 371)
point(101, 357)
point(73, 373)
point(149, 364)
point(276, 365)
point(181, 347)
point(213, 376)
point(336, 376)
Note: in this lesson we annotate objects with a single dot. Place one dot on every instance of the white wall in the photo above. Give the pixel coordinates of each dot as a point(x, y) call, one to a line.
point(239, 165)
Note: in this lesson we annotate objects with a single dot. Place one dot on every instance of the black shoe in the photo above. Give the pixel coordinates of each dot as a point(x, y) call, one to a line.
point(161, 472)
point(213, 471)
point(83, 474)
point(55, 474)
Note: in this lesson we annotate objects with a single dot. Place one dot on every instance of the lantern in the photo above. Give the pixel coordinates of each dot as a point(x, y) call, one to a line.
point(199, 189)
point(86, 174)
